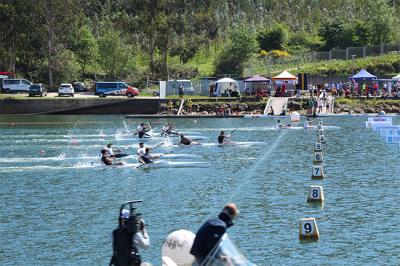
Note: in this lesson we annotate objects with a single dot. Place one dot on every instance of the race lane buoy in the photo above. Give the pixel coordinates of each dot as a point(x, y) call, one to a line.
point(308, 229)
point(315, 194)
point(320, 132)
point(318, 158)
point(317, 172)
point(177, 247)
point(318, 147)
point(321, 139)
point(295, 117)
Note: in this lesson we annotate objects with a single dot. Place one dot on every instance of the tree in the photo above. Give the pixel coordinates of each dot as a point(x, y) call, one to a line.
point(272, 39)
point(336, 34)
point(85, 48)
point(113, 55)
point(242, 45)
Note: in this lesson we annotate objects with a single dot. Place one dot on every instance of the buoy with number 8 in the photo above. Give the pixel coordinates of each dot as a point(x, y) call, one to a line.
point(317, 172)
point(315, 194)
point(308, 229)
point(318, 147)
point(318, 158)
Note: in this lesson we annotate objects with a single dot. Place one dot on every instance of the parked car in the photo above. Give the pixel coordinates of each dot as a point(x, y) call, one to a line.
point(117, 88)
point(37, 89)
point(16, 85)
point(79, 86)
point(66, 89)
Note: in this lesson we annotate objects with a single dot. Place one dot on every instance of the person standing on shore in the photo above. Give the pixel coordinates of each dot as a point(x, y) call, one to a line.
point(209, 234)
point(181, 90)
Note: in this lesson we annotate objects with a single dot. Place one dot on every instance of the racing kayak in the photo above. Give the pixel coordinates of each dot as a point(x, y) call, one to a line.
point(166, 164)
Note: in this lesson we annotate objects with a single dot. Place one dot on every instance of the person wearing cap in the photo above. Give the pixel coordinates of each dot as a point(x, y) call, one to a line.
point(111, 153)
point(211, 231)
point(106, 159)
point(126, 244)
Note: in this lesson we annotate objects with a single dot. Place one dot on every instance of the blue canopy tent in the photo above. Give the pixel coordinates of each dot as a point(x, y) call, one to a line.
point(363, 75)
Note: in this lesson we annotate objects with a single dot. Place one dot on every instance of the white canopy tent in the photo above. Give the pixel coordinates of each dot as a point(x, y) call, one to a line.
point(396, 77)
point(226, 86)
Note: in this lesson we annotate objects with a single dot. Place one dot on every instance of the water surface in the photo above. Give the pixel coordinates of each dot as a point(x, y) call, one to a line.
point(61, 210)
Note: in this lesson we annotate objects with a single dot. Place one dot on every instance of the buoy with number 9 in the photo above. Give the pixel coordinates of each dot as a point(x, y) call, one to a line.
point(308, 229)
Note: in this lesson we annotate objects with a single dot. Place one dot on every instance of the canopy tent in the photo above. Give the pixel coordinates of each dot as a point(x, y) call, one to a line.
point(256, 78)
point(363, 75)
point(256, 85)
point(396, 77)
point(284, 76)
point(226, 86)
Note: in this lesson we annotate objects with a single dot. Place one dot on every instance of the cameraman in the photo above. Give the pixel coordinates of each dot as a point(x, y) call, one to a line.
point(130, 236)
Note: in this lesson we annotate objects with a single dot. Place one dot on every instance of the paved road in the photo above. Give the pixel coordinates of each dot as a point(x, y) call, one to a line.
point(78, 95)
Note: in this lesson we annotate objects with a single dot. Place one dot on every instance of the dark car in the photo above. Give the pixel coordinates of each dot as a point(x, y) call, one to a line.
point(37, 89)
point(79, 86)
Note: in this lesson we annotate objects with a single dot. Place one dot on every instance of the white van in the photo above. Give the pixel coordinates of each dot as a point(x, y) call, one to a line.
point(16, 85)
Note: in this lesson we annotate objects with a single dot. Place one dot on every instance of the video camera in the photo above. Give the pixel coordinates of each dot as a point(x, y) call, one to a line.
point(133, 223)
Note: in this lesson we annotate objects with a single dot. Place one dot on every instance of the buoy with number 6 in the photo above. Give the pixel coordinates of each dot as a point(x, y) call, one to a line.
point(321, 139)
point(318, 147)
point(317, 172)
point(318, 158)
point(308, 229)
point(315, 194)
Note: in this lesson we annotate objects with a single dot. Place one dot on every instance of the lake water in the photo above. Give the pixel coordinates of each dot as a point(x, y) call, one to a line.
point(61, 210)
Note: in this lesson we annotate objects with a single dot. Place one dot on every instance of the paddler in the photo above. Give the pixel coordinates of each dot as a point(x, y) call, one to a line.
point(106, 159)
point(168, 130)
point(222, 137)
point(146, 157)
point(280, 125)
point(308, 123)
point(111, 153)
point(184, 140)
point(142, 130)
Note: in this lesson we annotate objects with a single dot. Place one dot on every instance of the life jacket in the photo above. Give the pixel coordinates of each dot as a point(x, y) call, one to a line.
point(124, 251)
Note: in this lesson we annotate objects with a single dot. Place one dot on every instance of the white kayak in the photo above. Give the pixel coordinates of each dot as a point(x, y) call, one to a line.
point(167, 164)
point(175, 156)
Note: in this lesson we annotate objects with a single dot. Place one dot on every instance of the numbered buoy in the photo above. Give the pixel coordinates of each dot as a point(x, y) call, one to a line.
point(318, 147)
point(295, 117)
point(321, 139)
point(308, 229)
point(320, 121)
point(317, 172)
point(315, 194)
point(320, 127)
point(320, 132)
point(318, 158)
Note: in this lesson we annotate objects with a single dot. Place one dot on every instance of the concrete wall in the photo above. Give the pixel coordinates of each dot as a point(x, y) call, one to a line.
point(78, 106)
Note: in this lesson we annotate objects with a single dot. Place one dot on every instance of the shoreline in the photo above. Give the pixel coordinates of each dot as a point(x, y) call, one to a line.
point(155, 107)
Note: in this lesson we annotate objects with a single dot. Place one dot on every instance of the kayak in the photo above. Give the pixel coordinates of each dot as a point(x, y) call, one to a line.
point(166, 164)
point(175, 156)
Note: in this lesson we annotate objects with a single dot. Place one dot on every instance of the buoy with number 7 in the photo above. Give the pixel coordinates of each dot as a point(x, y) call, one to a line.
point(315, 194)
point(317, 172)
point(318, 147)
point(308, 229)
